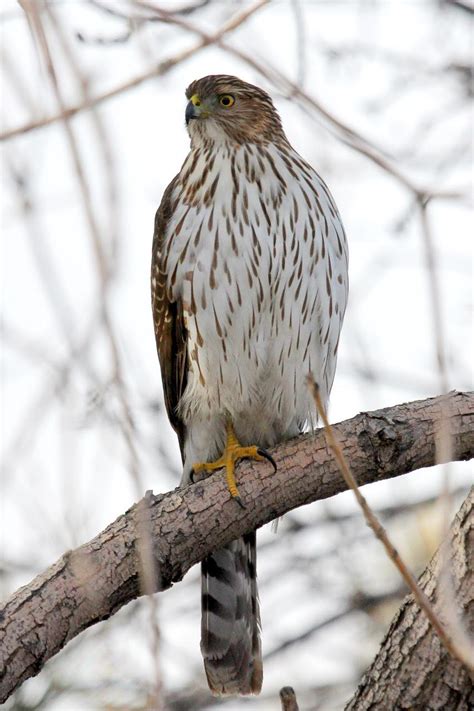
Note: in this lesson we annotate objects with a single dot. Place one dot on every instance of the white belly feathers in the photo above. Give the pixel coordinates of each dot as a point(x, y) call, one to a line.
point(257, 254)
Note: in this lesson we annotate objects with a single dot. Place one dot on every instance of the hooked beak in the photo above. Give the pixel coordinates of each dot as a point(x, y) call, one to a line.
point(191, 112)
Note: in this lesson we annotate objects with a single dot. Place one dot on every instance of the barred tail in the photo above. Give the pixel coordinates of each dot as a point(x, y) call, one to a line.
point(230, 627)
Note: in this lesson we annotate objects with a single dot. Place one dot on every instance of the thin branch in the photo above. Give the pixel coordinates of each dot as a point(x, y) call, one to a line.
point(162, 68)
point(412, 669)
point(34, 17)
point(359, 603)
point(147, 563)
point(454, 646)
point(94, 581)
point(464, 5)
point(435, 300)
point(300, 30)
point(271, 73)
point(344, 132)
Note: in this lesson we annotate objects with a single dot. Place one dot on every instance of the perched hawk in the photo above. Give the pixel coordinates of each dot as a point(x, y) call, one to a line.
point(249, 288)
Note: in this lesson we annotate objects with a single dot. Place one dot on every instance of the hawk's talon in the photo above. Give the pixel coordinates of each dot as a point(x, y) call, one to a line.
point(232, 453)
point(263, 453)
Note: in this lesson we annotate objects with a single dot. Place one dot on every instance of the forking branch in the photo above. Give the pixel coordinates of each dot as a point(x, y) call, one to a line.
point(94, 581)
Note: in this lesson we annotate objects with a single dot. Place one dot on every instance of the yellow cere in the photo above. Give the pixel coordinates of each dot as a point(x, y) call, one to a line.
point(195, 100)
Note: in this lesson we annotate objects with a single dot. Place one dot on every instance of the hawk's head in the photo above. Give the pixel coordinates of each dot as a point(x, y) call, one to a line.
point(224, 107)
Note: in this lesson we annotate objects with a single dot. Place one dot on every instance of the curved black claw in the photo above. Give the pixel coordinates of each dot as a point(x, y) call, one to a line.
point(263, 453)
point(191, 476)
point(239, 501)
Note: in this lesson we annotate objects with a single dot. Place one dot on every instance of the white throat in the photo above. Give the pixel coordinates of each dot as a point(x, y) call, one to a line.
point(205, 131)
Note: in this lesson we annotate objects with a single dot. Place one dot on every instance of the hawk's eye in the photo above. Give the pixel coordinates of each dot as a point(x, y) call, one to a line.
point(226, 100)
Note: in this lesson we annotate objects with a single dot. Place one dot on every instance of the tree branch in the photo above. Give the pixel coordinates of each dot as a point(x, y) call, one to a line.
point(412, 668)
point(458, 648)
point(91, 583)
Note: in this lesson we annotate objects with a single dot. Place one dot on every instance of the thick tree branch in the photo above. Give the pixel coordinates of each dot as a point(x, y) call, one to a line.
point(92, 582)
point(412, 669)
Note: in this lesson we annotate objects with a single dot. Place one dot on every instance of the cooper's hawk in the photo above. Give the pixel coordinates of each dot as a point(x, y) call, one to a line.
point(249, 288)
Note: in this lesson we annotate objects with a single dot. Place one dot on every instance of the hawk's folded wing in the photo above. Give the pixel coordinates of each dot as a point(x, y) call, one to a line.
point(170, 330)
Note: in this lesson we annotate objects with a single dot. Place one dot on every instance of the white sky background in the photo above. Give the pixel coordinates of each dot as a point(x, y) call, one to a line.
point(65, 473)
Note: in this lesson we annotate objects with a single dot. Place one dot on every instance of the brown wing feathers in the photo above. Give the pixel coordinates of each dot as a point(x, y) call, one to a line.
point(170, 330)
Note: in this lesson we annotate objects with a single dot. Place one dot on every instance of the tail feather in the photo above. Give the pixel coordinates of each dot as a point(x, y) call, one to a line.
point(230, 632)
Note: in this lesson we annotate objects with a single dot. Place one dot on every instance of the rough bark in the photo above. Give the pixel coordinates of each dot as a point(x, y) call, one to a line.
point(412, 669)
point(92, 582)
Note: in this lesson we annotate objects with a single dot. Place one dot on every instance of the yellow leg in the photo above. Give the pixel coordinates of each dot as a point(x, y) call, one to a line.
point(232, 453)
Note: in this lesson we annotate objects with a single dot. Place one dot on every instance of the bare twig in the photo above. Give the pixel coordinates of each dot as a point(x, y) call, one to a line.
point(435, 299)
point(300, 42)
point(465, 5)
point(359, 603)
point(395, 680)
point(443, 441)
point(455, 647)
point(103, 141)
point(347, 134)
point(148, 573)
point(162, 68)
